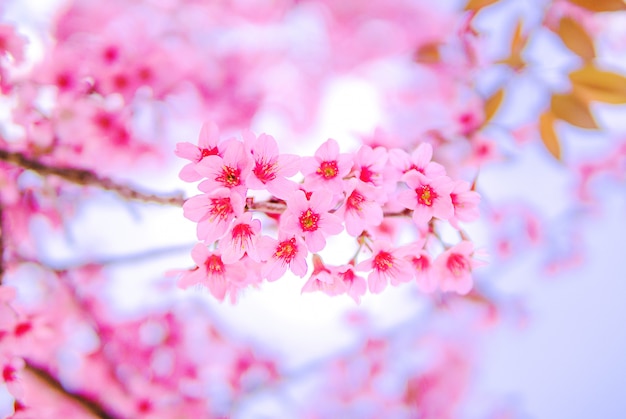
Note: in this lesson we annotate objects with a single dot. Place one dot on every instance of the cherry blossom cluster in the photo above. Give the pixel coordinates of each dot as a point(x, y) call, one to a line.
point(430, 391)
point(389, 201)
point(149, 366)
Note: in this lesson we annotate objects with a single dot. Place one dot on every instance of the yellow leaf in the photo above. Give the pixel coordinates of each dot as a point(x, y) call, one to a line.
point(604, 86)
point(600, 5)
point(515, 61)
point(492, 104)
point(571, 109)
point(476, 5)
point(518, 42)
point(548, 134)
point(576, 38)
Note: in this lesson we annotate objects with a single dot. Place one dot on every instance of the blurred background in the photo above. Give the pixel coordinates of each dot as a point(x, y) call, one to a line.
point(543, 335)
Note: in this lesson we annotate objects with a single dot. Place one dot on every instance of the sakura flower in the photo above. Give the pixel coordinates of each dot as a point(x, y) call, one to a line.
point(427, 197)
point(385, 265)
point(240, 239)
point(454, 268)
point(369, 164)
point(310, 218)
point(118, 80)
point(355, 285)
point(212, 272)
point(361, 207)
point(335, 280)
point(422, 264)
point(270, 169)
point(64, 69)
point(229, 171)
point(327, 168)
point(484, 150)
point(252, 269)
point(470, 120)
point(12, 43)
point(289, 251)
point(207, 146)
point(420, 160)
point(213, 212)
point(12, 368)
point(324, 279)
point(465, 202)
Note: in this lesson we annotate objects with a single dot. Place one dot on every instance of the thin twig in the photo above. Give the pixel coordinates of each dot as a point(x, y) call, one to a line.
point(139, 256)
point(88, 178)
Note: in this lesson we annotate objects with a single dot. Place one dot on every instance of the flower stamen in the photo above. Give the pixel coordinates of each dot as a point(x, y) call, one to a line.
point(308, 220)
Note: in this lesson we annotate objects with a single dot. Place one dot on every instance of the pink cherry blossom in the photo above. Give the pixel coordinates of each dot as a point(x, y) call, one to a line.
point(454, 268)
point(229, 171)
point(361, 208)
point(427, 197)
point(270, 169)
point(12, 368)
point(386, 265)
point(288, 252)
point(252, 268)
point(213, 212)
point(208, 145)
point(11, 43)
point(484, 150)
point(241, 238)
point(420, 160)
point(437, 391)
point(421, 261)
point(324, 279)
point(465, 202)
point(64, 70)
point(369, 164)
point(335, 280)
point(470, 120)
point(355, 284)
point(327, 168)
point(310, 218)
point(212, 272)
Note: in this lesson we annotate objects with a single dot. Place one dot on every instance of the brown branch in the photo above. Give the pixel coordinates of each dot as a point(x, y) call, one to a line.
point(268, 207)
point(83, 400)
point(278, 207)
point(87, 178)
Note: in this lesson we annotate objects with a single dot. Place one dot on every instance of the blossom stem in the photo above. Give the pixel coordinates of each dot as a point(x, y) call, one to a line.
point(88, 178)
point(356, 254)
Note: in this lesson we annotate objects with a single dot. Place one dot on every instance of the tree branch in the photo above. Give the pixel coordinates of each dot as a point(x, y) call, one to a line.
point(87, 178)
point(66, 266)
point(83, 400)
